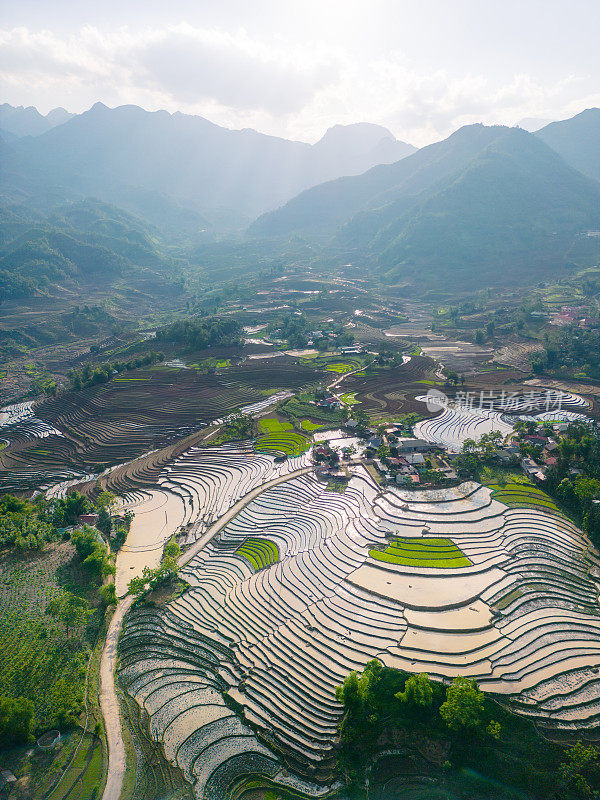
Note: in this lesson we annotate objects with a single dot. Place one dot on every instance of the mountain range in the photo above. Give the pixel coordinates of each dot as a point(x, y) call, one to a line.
point(577, 140)
point(487, 204)
point(17, 121)
point(153, 162)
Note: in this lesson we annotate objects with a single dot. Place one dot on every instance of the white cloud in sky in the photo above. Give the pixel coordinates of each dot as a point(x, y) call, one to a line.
point(289, 88)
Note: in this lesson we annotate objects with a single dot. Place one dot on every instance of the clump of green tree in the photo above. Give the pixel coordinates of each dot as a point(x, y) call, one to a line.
point(476, 454)
point(383, 705)
point(579, 492)
point(571, 349)
point(92, 375)
point(199, 333)
point(65, 511)
point(22, 525)
point(93, 552)
point(16, 717)
point(380, 698)
point(69, 609)
point(238, 426)
point(293, 328)
point(151, 579)
point(30, 524)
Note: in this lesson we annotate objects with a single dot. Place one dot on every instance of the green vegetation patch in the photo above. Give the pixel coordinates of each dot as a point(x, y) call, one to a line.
point(261, 553)
point(431, 552)
point(307, 425)
point(272, 425)
point(350, 399)
point(42, 660)
point(521, 494)
point(341, 368)
point(300, 408)
point(288, 442)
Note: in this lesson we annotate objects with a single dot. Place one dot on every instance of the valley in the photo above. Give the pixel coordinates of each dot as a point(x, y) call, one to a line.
point(299, 461)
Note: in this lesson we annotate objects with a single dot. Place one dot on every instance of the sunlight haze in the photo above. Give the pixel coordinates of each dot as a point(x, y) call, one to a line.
point(294, 69)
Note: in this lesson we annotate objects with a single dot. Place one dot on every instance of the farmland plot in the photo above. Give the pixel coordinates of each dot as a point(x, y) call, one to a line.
point(291, 595)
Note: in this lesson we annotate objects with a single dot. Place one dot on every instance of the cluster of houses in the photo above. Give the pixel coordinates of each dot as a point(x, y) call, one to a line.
point(537, 468)
point(576, 315)
point(396, 458)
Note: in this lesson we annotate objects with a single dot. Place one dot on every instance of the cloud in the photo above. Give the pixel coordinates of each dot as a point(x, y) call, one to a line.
point(179, 63)
point(192, 65)
point(293, 89)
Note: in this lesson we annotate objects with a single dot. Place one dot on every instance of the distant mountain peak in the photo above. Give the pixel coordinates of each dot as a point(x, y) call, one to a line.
point(577, 140)
point(22, 121)
point(363, 131)
point(533, 124)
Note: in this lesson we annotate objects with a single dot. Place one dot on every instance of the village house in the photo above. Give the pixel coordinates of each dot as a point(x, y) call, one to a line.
point(532, 469)
point(408, 445)
point(330, 402)
point(87, 519)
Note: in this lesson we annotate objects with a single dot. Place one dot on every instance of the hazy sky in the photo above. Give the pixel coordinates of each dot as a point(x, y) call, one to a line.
point(422, 68)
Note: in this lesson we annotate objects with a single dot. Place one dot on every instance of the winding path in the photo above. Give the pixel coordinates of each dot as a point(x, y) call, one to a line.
point(109, 701)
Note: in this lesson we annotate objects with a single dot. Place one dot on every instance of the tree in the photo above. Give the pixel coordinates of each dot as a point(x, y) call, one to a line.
point(172, 549)
point(16, 715)
point(580, 759)
point(566, 492)
point(108, 594)
point(69, 508)
point(105, 500)
point(239, 426)
point(463, 707)
point(104, 523)
point(494, 729)
point(586, 489)
point(69, 609)
point(92, 551)
point(418, 691)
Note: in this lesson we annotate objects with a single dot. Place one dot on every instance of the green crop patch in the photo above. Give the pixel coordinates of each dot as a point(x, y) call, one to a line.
point(349, 399)
point(516, 494)
point(429, 552)
point(272, 425)
point(309, 426)
point(342, 368)
point(261, 553)
point(288, 442)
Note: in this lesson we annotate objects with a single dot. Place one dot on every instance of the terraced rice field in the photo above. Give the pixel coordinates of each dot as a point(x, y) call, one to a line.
point(496, 411)
point(84, 432)
point(260, 553)
point(517, 610)
point(392, 391)
point(522, 494)
point(430, 552)
point(288, 442)
point(309, 426)
point(272, 425)
point(192, 491)
point(454, 425)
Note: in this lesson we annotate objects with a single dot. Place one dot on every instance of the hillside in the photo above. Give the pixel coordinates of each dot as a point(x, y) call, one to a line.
point(137, 159)
point(324, 208)
point(511, 215)
point(577, 140)
point(483, 200)
point(87, 242)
